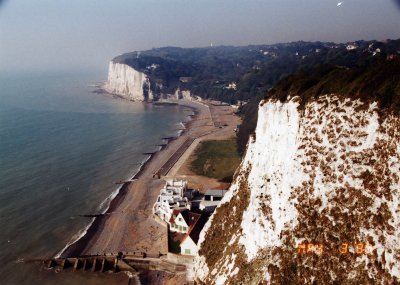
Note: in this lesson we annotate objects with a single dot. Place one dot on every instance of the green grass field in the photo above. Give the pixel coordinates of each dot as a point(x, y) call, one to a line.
point(216, 159)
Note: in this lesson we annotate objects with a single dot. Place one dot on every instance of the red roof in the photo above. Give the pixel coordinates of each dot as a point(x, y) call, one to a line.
point(175, 213)
point(191, 219)
point(195, 228)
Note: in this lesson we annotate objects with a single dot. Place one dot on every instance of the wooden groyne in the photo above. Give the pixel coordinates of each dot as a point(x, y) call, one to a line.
point(92, 264)
point(92, 215)
point(124, 181)
point(112, 264)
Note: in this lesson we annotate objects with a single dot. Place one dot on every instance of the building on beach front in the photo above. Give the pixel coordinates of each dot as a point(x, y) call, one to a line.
point(182, 220)
point(185, 227)
point(174, 205)
point(172, 196)
point(196, 222)
point(211, 199)
point(190, 241)
point(214, 194)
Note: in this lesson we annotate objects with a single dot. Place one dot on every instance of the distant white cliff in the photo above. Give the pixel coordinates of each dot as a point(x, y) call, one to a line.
point(127, 82)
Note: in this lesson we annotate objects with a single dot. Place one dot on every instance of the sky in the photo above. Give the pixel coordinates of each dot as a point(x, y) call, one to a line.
point(86, 34)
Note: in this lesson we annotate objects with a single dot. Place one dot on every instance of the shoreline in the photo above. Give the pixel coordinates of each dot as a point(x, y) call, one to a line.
point(76, 247)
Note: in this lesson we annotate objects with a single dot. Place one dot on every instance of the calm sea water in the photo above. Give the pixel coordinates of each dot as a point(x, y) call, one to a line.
point(61, 147)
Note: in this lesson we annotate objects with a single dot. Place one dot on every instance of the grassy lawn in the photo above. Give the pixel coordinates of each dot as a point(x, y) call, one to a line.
point(216, 159)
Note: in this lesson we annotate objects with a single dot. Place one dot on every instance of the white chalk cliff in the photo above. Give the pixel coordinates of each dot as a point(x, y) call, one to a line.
point(182, 94)
point(325, 175)
point(127, 82)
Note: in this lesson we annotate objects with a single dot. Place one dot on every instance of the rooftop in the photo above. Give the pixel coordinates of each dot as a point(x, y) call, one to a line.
point(189, 217)
point(216, 192)
point(195, 229)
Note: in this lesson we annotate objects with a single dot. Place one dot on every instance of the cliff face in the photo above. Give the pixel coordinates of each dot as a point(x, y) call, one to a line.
point(123, 80)
point(127, 82)
point(316, 199)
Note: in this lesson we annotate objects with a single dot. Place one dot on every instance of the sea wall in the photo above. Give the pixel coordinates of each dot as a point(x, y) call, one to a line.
point(127, 82)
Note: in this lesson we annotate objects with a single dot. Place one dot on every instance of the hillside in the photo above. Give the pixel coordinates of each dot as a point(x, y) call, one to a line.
point(207, 72)
point(316, 198)
point(379, 82)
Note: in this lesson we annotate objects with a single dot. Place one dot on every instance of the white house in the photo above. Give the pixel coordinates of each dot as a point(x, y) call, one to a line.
point(171, 197)
point(231, 86)
point(189, 242)
point(182, 220)
point(188, 246)
point(351, 47)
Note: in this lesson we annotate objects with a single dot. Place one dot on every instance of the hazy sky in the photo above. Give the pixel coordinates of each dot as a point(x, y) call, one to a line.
point(66, 34)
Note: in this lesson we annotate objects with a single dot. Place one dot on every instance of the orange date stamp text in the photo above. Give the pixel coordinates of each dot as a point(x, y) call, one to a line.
point(343, 248)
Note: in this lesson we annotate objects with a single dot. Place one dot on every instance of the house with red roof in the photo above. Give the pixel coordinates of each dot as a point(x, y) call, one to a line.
point(182, 220)
point(190, 240)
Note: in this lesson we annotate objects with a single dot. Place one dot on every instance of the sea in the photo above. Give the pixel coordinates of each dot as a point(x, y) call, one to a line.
point(61, 148)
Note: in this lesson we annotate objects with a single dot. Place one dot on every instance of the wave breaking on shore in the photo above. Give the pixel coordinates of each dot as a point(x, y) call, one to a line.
point(89, 230)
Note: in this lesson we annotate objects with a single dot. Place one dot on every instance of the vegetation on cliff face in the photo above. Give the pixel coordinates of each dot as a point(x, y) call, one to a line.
point(377, 82)
point(349, 154)
point(315, 200)
point(249, 121)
